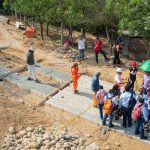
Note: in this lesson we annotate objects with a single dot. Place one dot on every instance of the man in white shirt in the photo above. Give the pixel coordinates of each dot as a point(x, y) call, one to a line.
point(81, 47)
point(124, 103)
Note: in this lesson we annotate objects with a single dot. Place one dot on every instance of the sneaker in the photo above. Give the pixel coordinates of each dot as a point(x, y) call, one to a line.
point(143, 137)
point(137, 133)
point(103, 123)
point(111, 126)
point(76, 92)
point(37, 81)
point(29, 79)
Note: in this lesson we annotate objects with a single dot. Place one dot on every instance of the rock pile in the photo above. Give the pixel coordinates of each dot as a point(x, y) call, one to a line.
point(41, 139)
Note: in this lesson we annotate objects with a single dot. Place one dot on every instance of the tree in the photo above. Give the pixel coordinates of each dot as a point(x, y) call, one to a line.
point(133, 15)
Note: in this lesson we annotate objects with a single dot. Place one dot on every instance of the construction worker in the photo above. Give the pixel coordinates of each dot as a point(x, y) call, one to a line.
point(31, 63)
point(95, 88)
point(75, 77)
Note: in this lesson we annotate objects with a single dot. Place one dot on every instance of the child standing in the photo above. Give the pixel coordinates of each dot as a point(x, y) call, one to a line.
point(100, 98)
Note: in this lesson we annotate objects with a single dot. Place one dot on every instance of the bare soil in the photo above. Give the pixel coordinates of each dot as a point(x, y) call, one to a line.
point(16, 104)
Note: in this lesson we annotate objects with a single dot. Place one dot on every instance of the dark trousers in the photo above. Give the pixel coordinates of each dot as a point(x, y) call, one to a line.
point(100, 106)
point(116, 58)
point(126, 117)
point(101, 52)
point(139, 127)
point(132, 83)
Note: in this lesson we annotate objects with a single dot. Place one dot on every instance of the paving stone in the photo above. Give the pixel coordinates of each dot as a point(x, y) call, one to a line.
point(38, 88)
point(58, 75)
point(78, 103)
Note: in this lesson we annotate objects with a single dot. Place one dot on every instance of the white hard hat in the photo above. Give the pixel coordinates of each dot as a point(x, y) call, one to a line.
point(119, 70)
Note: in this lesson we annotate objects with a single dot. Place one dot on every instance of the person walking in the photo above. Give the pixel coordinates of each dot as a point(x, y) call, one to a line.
point(140, 115)
point(100, 99)
point(132, 75)
point(110, 104)
point(98, 49)
point(124, 104)
point(117, 48)
point(31, 64)
point(75, 76)
point(95, 87)
point(81, 47)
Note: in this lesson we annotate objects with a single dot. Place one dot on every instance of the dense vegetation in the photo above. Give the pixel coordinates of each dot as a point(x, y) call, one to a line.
point(92, 15)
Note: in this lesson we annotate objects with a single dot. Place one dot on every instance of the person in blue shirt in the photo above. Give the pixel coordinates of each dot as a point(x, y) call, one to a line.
point(124, 104)
point(95, 87)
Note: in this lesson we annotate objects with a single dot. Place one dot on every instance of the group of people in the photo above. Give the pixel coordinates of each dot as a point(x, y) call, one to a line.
point(114, 103)
point(98, 49)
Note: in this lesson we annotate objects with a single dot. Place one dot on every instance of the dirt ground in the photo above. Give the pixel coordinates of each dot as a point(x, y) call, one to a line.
point(17, 105)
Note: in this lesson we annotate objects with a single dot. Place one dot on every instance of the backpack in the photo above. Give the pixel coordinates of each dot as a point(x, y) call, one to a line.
point(108, 106)
point(136, 113)
point(100, 96)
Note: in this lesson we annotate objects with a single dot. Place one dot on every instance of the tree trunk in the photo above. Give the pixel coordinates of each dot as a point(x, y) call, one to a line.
point(47, 29)
point(41, 26)
point(61, 33)
point(109, 41)
point(57, 30)
point(82, 32)
point(20, 17)
point(70, 34)
point(33, 22)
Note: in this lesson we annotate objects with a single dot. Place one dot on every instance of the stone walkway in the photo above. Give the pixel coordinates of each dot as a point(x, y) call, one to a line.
point(41, 89)
point(78, 103)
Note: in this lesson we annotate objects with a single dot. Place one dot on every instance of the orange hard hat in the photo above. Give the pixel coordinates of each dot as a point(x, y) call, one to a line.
point(134, 63)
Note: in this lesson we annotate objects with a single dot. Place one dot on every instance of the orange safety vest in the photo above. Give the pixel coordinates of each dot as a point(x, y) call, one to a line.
point(75, 74)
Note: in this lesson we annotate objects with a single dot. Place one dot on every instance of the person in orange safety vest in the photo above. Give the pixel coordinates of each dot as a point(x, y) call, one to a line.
point(75, 76)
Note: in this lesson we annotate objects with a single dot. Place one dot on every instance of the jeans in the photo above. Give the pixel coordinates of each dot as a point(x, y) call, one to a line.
point(100, 106)
point(126, 117)
point(110, 119)
point(31, 70)
point(139, 127)
point(81, 54)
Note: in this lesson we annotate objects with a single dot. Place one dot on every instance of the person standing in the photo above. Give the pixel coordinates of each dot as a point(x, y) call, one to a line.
point(98, 49)
point(81, 47)
point(133, 71)
point(100, 98)
point(146, 83)
point(124, 104)
point(118, 79)
point(95, 87)
point(117, 48)
point(110, 104)
point(140, 115)
point(75, 76)
point(31, 64)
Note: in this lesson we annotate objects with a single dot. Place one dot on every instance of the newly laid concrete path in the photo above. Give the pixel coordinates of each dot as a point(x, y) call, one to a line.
point(32, 86)
point(58, 75)
point(78, 103)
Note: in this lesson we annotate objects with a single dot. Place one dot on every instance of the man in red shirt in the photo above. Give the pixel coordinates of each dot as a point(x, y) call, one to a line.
point(98, 49)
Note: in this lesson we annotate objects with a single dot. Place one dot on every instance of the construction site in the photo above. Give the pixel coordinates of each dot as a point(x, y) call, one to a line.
point(48, 115)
